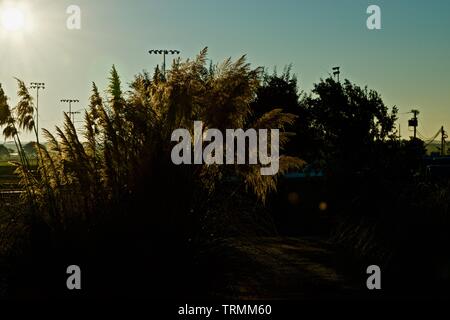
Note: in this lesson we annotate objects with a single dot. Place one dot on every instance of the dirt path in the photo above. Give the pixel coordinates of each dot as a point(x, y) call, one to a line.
point(282, 268)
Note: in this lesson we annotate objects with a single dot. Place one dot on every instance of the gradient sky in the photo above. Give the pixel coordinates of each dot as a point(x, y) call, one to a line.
point(407, 61)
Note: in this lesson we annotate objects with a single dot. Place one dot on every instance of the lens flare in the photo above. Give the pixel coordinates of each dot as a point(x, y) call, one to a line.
point(13, 19)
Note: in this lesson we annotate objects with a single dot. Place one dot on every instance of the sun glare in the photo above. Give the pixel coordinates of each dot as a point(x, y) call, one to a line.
point(13, 19)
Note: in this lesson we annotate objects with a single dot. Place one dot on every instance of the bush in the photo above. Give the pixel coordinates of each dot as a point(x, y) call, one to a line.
point(114, 197)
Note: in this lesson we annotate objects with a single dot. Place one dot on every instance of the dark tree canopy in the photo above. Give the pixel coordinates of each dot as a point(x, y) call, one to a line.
point(277, 91)
point(339, 124)
point(350, 121)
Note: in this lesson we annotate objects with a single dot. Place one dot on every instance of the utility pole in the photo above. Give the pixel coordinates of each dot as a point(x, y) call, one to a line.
point(37, 86)
point(414, 122)
point(164, 52)
point(443, 137)
point(337, 72)
point(71, 113)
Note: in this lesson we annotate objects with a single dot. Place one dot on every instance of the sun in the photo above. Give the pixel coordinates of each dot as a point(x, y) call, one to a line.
point(13, 19)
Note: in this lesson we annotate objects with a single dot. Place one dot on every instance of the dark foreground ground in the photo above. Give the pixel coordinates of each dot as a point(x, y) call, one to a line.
point(270, 268)
point(253, 269)
point(259, 268)
point(281, 269)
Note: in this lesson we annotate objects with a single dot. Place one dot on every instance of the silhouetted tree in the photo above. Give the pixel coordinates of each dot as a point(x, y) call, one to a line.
point(350, 122)
point(277, 91)
point(282, 91)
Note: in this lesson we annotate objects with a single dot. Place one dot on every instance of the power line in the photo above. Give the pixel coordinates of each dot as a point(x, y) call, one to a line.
point(430, 141)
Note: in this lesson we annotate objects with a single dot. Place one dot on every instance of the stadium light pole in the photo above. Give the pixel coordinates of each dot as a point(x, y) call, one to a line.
point(38, 86)
point(164, 52)
point(71, 113)
point(337, 72)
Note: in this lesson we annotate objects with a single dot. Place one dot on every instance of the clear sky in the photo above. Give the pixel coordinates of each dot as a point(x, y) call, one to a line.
point(407, 61)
